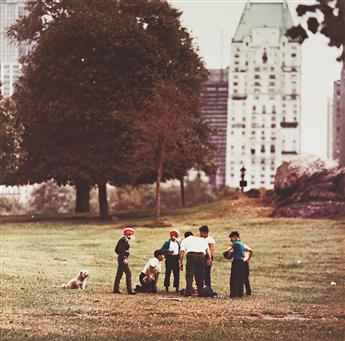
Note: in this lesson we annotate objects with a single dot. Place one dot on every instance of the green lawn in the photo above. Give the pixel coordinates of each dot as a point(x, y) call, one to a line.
point(293, 265)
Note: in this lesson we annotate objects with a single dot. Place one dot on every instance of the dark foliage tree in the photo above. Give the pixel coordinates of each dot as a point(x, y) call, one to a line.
point(326, 17)
point(9, 140)
point(92, 66)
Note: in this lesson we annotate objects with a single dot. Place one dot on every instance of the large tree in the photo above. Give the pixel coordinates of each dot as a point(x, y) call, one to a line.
point(326, 17)
point(92, 66)
point(9, 140)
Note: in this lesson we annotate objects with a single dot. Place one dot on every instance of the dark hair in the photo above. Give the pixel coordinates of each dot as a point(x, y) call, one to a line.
point(188, 233)
point(204, 229)
point(158, 253)
point(234, 234)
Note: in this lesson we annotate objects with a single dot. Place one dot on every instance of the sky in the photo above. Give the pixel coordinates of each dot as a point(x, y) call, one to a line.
point(212, 24)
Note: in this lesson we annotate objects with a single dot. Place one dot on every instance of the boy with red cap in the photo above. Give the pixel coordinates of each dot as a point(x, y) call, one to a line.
point(122, 250)
point(172, 248)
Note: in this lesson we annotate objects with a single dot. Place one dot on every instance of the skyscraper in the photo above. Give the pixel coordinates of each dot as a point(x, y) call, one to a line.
point(10, 11)
point(336, 137)
point(264, 98)
point(215, 111)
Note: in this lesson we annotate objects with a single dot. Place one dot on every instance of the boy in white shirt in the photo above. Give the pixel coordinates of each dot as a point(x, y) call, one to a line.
point(204, 233)
point(149, 275)
point(196, 249)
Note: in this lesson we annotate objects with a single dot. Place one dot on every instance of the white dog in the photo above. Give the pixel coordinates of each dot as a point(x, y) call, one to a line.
point(78, 282)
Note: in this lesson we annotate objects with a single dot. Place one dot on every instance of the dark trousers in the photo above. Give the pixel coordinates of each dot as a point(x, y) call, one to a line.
point(207, 273)
point(246, 278)
point(195, 267)
point(236, 278)
point(172, 265)
point(122, 268)
point(146, 286)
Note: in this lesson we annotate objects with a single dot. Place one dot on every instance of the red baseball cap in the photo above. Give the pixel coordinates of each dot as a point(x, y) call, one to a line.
point(128, 231)
point(174, 233)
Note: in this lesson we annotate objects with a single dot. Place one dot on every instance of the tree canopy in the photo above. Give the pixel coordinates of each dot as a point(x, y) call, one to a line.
point(326, 17)
point(95, 70)
point(9, 140)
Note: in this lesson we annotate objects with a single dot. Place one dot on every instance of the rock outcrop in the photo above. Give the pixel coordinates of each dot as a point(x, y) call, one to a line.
point(309, 187)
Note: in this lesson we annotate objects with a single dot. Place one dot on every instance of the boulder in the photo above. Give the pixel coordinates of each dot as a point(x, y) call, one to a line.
point(289, 174)
point(308, 186)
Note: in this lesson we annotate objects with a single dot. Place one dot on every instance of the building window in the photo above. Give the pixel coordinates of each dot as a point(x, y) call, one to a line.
point(273, 149)
point(252, 151)
point(263, 148)
point(264, 57)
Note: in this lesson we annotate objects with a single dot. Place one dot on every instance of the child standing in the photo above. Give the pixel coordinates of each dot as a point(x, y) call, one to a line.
point(172, 249)
point(248, 253)
point(236, 253)
point(122, 250)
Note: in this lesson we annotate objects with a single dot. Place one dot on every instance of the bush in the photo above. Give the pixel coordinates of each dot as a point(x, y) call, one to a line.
point(10, 205)
point(51, 198)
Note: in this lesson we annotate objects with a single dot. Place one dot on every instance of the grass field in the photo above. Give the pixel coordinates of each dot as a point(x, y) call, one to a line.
point(293, 265)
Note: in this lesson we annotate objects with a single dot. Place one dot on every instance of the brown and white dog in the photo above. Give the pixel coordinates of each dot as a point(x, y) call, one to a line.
point(78, 282)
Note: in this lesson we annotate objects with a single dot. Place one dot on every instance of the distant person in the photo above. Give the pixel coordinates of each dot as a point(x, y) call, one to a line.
point(196, 248)
point(149, 275)
point(248, 253)
point(188, 234)
point(122, 250)
point(172, 249)
point(204, 233)
point(236, 253)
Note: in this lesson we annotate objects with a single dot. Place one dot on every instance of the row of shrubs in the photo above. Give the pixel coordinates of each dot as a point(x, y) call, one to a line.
point(51, 198)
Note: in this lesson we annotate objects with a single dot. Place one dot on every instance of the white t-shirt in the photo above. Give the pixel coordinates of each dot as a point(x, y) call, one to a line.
point(247, 249)
point(154, 263)
point(210, 240)
point(174, 246)
point(194, 244)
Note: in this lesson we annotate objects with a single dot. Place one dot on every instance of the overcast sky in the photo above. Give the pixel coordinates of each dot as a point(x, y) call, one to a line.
point(209, 21)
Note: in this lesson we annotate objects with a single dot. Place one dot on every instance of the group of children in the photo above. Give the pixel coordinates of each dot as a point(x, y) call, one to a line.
point(199, 253)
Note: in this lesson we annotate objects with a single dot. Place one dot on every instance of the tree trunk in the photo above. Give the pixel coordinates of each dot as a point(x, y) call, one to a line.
point(158, 194)
point(159, 173)
point(103, 201)
point(82, 197)
point(183, 201)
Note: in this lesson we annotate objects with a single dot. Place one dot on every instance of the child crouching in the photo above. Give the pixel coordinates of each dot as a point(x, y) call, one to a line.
point(149, 275)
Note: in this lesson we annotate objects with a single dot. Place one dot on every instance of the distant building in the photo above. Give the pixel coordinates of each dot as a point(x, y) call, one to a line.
point(330, 128)
point(336, 137)
point(10, 11)
point(215, 111)
point(264, 99)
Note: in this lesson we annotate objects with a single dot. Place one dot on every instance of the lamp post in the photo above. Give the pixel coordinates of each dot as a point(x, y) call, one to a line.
point(243, 183)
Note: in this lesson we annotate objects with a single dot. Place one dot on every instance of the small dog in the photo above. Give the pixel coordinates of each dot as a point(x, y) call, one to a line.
point(78, 282)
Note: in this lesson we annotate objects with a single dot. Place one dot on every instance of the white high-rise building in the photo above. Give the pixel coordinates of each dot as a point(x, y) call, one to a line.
point(264, 95)
point(10, 11)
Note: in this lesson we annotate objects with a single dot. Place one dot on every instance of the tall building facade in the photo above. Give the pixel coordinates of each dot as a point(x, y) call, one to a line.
point(215, 111)
point(336, 137)
point(264, 105)
point(10, 11)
